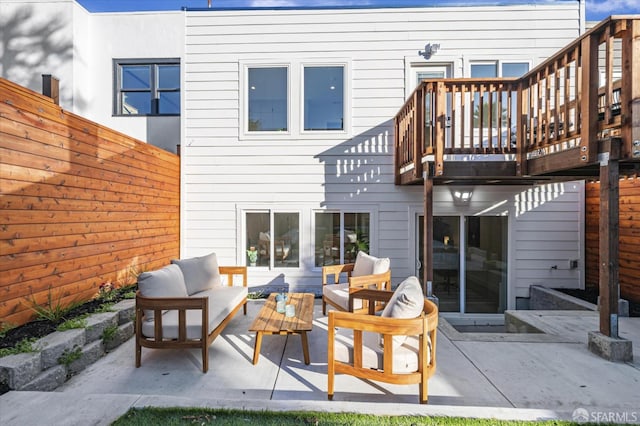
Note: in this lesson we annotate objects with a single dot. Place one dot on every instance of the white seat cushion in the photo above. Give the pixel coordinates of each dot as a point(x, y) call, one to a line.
point(222, 300)
point(339, 294)
point(200, 273)
point(167, 281)
point(405, 356)
point(366, 264)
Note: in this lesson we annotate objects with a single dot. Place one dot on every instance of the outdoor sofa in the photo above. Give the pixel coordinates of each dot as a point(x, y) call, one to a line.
point(173, 302)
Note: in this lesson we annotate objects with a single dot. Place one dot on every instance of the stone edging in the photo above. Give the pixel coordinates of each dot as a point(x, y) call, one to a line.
point(42, 370)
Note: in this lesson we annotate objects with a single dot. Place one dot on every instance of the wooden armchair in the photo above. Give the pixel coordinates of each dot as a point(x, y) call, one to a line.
point(340, 281)
point(365, 345)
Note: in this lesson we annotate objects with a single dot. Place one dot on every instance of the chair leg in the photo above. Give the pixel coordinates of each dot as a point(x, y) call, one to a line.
point(138, 353)
point(324, 307)
point(205, 356)
point(424, 391)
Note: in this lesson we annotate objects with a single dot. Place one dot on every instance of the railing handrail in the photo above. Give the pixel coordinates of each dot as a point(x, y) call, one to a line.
point(558, 105)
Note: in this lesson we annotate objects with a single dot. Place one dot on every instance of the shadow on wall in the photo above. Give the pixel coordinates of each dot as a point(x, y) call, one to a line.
point(362, 161)
point(31, 46)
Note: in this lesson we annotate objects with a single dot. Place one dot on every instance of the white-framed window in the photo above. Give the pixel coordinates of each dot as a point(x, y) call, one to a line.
point(146, 87)
point(339, 235)
point(274, 236)
point(267, 99)
point(323, 97)
point(299, 98)
point(491, 69)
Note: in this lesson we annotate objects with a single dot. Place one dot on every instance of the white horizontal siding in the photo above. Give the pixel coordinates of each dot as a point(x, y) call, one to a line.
point(224, 171)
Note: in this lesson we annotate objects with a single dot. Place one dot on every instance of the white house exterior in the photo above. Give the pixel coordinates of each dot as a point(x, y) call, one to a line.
point(266, 153)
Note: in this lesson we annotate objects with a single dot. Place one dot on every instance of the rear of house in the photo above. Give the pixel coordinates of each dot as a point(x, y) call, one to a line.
point(287, 147)
point(284, 119)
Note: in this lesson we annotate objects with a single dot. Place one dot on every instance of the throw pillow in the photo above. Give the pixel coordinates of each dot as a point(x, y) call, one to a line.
point(200, 273)
point(165, 282)
point(367, 265)
point(407, 302)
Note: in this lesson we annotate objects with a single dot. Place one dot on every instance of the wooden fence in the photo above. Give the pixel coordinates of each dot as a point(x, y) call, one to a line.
point(81, 205)
point(629, 237)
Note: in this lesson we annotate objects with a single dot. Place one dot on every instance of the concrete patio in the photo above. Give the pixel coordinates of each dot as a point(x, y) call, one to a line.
point(491, 375)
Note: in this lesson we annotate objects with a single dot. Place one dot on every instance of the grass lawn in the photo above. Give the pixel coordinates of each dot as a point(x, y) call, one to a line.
point(204, 416)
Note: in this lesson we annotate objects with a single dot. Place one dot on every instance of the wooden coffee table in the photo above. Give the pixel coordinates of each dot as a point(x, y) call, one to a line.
point(269, 321)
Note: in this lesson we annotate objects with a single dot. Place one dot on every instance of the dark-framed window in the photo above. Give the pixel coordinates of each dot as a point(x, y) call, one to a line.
point(146, 87)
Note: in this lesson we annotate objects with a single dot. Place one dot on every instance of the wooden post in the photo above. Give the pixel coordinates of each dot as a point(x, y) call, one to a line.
point(630, 92)
point(589, 99)
point(609, 231)
point(418, 130)
point(51, 87)
point(428, 231)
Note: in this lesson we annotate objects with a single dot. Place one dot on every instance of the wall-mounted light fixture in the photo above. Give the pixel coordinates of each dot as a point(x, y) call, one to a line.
point(461, 195)
point(429, 50)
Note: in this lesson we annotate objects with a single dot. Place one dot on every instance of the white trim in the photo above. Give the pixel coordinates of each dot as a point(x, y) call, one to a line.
point(345, 132)
point(243, 103)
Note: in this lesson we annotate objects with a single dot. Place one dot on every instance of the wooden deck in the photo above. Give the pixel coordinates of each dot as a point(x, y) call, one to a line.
point(557, 121)
point(576, 115)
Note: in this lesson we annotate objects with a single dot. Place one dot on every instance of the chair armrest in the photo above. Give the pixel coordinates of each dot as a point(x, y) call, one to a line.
point(180, 304)
point(336, 270)
point(231, 271)
point(372, 298)
point(376, 282)
point(376, 324)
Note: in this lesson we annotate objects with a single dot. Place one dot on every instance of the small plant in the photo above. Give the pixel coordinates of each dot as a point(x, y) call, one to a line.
point(78, 322)
point(129, 295)
point(23, 346)
point(254, 295)
point(107, 292)
point(252, 254)
point(5, 327)
point(69, 356)
point(53, 310)
point(109, 333)
point(105, 307)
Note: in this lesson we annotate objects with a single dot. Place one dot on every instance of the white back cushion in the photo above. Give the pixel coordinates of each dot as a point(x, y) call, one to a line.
point(407, 302)
point(200, 273)
point(368, 265)
point(165, 282)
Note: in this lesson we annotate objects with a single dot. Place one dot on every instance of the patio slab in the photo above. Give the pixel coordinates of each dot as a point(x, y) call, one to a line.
point(508, 378)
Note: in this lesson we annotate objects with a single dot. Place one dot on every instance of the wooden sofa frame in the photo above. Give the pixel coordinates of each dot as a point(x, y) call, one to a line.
point(182, 304)
point(424, 325)
point(378, 281)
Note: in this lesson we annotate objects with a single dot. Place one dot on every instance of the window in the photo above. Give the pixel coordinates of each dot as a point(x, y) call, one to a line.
point(490, 70)
point(323, 98)
point(147, 88)
point(514, 69)
point(267, 99)
point(339, 237)
point(275, 238)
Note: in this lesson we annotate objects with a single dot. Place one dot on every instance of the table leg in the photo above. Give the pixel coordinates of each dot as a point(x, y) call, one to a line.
point(256, 348)
point(305, 346)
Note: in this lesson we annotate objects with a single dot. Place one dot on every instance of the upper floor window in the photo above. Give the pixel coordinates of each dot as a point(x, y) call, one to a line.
point(147, 87)
point(323, 98)
point(267, 99)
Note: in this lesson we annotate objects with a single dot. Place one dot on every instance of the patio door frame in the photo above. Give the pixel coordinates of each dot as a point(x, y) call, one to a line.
point(418, 256)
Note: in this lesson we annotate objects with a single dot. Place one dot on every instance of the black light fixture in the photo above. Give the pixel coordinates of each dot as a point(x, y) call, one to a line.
point(429, 50)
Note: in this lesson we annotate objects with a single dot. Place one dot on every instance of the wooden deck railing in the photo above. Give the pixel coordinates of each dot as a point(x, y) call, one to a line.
point(585, 92)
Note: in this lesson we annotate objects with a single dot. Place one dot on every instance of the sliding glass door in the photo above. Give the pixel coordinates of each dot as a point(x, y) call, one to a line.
point(469, 262)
